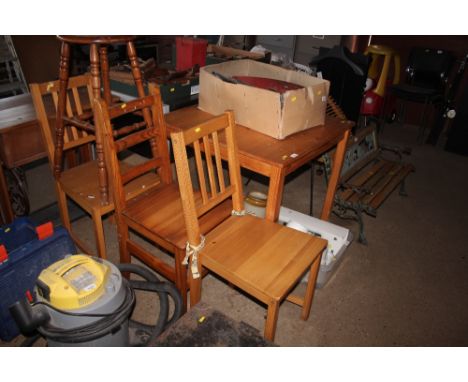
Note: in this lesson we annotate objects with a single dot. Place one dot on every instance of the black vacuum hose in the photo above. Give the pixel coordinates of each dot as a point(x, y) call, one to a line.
point(153, 284)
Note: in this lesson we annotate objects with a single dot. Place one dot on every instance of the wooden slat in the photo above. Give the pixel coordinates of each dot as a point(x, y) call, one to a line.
point(89, 88)
point(129, 129)
point(295, 299)
point(86, 126)
point(78, 142)
point(135, 138)
point(73, 82)
point(140, 169)
point(65, 134)
point(79, 109)
point(361, 179)
point(386, 176)
point(219, 166)
point(372, 181)
point(205, 128)
point(209, 165)
point(55, 98)
point(68, 107)
point(200, 170)
point(85, 116)
point(334, 110)
point(360, 164)
point(212, 202)
point(76, 98)
point(129, 107)
point(385, 192)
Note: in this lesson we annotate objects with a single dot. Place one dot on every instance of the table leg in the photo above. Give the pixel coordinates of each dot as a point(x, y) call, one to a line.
point(5, 204)
point(334, 177)
point(275, 194)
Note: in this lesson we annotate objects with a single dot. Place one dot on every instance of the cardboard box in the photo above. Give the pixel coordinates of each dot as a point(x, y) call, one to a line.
point(269, 112)
point(217, 54)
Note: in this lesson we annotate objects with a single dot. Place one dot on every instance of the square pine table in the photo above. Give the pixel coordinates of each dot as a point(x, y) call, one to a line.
point(276, 158)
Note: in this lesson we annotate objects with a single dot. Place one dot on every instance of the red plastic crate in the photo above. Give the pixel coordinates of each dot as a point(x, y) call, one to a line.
point(190, 52)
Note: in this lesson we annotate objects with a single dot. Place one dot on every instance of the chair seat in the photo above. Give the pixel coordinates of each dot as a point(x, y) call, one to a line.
point(267, 259)
point(159, 212)
point(81, 183)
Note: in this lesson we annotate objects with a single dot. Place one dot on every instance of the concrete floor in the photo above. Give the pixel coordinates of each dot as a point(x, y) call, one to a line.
point(407, 287)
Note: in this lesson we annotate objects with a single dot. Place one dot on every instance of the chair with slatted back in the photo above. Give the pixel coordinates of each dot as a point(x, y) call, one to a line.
point(157, 214)
point(264, 259)
point(79, 179)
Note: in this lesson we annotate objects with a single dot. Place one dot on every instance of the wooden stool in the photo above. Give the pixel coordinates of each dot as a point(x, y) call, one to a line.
point(98, 58)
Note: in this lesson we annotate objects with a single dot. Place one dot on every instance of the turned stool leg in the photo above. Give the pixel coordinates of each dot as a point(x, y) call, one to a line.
point(132, 56)
point(63, 83)
point(105, 75)
point(96, 85)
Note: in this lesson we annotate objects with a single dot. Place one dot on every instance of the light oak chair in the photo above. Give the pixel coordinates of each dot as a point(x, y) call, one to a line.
point(79, 180)
point(156, 214)
point(263, 258)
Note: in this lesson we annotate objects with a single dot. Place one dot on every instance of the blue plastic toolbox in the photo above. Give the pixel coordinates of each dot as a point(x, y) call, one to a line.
point(22, 257)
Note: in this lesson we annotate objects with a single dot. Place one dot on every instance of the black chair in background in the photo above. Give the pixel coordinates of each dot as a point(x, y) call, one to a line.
point(427, 74)
point(347, 73)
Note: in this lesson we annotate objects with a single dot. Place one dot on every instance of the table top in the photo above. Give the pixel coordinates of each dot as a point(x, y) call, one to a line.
point(303, 145)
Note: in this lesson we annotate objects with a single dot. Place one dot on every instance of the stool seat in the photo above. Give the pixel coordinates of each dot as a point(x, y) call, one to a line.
point(85, 40)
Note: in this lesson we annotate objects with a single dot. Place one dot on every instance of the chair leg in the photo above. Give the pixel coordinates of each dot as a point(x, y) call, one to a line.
point(122, 229)
point(181, 275)
point(99, 233)
point(195, 290)
point(271, 320)
point(63, 207)
point(309, 294)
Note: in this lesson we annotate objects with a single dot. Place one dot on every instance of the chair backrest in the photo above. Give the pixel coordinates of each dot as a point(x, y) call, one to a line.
point(347, 73)
point(78, 105)
point(208, 140)
point(137, 132)
point(429, 68)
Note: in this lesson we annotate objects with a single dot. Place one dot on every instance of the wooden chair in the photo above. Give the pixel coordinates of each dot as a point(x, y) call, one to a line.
point(261, 257)
point(157, 214)
point(79, 181)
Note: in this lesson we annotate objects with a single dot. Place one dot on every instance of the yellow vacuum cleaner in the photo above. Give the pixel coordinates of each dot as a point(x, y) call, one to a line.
point(85, 301)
